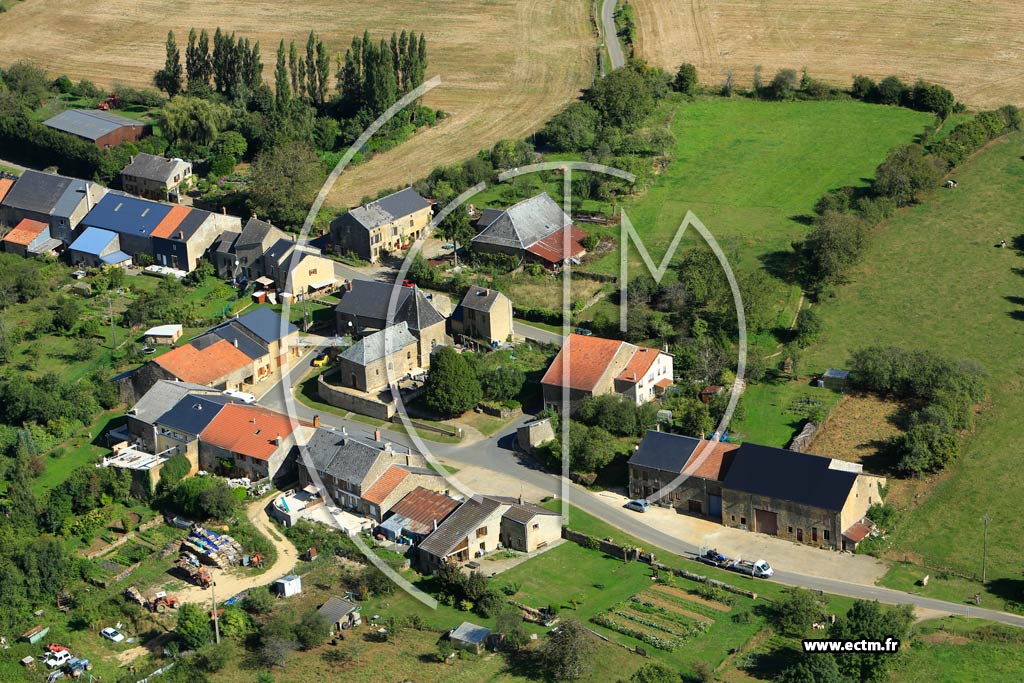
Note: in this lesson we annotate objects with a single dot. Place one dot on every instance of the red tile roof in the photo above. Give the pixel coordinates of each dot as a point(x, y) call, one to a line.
point(423, 507)
point(24, 232)
point(662, 383)
point(589, 358)
point(858, 532)
point(205, 366)
point(170, 222)
point(552, 247)
point(385, 484)
point(5, 186)
point(642, 360)
point(716, 465)
point(248, 430)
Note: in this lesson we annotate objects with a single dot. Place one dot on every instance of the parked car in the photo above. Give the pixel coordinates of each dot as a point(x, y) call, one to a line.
point(639, 505)
point(240, 395)
point(112, 634)
point(320, 360)
point(58, 659)
point(583, 331)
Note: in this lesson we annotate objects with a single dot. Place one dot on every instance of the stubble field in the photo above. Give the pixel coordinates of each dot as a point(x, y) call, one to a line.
point(506, 66)
point(975, 49)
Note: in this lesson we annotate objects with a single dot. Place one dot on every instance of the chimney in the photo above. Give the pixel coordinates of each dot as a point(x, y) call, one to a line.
point(277, 440)
point(236, 342)
point(348, 285)
point(181, 234)
point(408, 460)
point(131, 159)
point(255, 216)
point(224, 210)
point(316, 421)
point(387, 446)
point(344, 431)
point(435, 525)
point(376, 435)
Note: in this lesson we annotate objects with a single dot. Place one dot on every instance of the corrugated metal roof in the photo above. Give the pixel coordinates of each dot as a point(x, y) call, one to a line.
point(115, 257)
point(421, 508)
point(93, 241)
point(454, 530)
point(89, 124)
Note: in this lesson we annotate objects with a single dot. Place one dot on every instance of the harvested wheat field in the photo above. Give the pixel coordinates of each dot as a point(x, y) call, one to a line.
point(974, 48)
point(857, 428)
point(506, 65)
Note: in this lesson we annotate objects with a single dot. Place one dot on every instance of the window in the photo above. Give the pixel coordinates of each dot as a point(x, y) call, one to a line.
point(743, 521)
point(825, 534)
point(734, 518)
point(312, 271)
point(790, 529)
point(536, 527)
point(482, 531)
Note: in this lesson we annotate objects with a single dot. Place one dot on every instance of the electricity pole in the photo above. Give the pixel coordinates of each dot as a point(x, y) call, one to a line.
point(984, 549)
point(113, 333)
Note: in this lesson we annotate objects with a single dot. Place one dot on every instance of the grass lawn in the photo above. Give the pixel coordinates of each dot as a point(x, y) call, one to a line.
point(932, 279)
point(955, 650)
point(775, 410)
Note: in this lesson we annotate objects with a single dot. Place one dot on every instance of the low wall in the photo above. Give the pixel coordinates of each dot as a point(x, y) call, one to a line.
point(346, 400)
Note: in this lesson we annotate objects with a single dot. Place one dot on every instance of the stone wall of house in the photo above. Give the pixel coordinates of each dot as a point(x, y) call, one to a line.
point(795, 521)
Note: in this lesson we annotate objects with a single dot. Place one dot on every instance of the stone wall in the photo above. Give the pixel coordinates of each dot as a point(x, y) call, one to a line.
point(347, 400)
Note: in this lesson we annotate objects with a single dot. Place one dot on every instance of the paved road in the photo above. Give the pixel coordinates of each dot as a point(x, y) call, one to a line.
point(536, 334)
point(611, 38)
point(497, 454)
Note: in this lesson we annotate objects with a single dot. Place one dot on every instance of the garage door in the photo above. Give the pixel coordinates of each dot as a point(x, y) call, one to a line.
point(766, 522)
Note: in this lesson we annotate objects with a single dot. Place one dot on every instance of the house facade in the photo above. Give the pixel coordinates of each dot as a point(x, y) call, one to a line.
point(657, 464)
point(385, 225)
point(250, 441)
point(473, 530)
point(368, 364)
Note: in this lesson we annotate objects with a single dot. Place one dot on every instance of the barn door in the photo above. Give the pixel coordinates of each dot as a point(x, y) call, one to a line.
point(766, 522)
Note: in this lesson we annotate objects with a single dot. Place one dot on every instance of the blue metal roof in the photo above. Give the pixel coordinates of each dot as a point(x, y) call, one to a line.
point(266, 325)
point(127, 215)
point(115, 258)
point(93, 241)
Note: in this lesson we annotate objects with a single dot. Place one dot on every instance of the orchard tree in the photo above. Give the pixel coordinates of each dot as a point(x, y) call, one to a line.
point(906, 173)
point(686, 79)
point(566, 653)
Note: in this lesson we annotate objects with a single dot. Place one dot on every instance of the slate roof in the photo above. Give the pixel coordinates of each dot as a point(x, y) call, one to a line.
point(375, 346)
point(342, 456)
point(236, 335)
point(38, 192)
point(421, 507)
point(385, 485)
point(93, 241)
point(163, 396)
point(192, 414)
point(521, 512)
point(788, 475)
point(267, 325)
point(336, 609)
point(248, 430)
point(589, 358)
point(122, 213)
point(487, 216)
point(664, 451)
point(482, 299)
point(25, 232)
point(88, 123)
point(459, 525)
point(467, 632)
point(368, 301)
point(151, 167)
point(385, 210)
point(225, 244)
point(203, 366)
point(524, 224)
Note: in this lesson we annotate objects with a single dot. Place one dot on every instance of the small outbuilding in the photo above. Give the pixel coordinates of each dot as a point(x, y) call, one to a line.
point(533, 434)
point(341, 613)
point(469, 637)
point(835, 379)
point(165, 335)
point(287, 586)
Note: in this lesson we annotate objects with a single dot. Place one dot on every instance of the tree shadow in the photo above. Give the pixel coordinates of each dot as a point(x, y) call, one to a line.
point(768, 665)
point(1010, 591)
point(803, 218)
point(526, 664)
point(1017, 315)
point(781, 264)
point(1018, 242)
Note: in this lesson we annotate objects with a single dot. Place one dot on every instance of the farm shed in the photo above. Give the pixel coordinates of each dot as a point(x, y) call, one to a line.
point(288, 586)
point(341, 613)
point(469, 636)
point(835, 379)
point(163, 334)
point(99, 127)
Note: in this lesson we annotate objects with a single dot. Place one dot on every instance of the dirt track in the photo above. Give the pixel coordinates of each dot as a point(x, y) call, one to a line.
point(231, 583)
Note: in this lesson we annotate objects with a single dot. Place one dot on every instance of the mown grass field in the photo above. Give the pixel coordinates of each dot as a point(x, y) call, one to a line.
point(933, 279)
point(506, 65)
point(972, 48)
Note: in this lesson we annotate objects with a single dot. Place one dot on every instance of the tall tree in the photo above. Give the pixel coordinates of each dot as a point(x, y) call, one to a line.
point(192, 67)
point(219, 59)
point(281, 82)
point(293, 67)
point(452, 386)
point(421, 62)
point(567, 650)
point(323, 67)
point(312, 87)
point(396, 60)
point(168, 79)
point(402, 66)
point(204, 62)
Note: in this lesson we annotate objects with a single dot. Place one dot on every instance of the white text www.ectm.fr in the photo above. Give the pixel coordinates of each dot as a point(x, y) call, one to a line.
point(887, 646)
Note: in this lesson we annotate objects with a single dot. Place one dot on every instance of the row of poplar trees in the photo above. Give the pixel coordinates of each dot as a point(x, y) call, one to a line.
point(370, 77)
